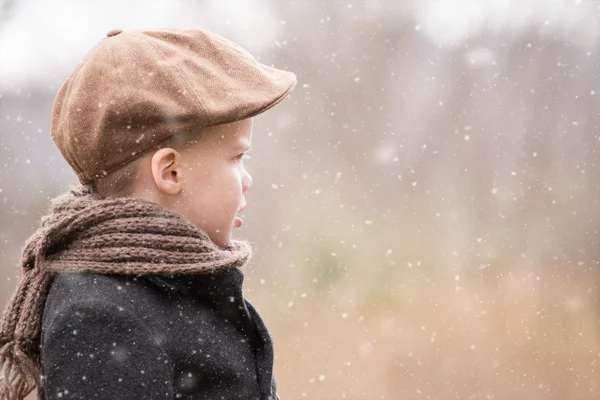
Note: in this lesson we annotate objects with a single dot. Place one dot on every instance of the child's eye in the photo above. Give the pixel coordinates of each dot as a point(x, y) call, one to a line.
point(243, 156)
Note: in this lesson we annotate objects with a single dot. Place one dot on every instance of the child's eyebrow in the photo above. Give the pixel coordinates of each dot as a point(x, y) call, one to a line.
point(243, 146)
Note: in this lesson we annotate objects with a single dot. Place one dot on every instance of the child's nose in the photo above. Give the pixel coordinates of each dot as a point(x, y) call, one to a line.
point(246, 182)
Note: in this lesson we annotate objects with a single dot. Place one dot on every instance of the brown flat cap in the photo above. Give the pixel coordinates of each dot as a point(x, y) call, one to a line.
point(136, 89)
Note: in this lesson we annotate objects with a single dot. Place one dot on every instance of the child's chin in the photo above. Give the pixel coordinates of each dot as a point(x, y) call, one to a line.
point(223, 244)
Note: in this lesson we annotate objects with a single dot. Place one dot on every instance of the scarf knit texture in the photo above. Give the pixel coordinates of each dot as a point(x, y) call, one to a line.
point(84, 233)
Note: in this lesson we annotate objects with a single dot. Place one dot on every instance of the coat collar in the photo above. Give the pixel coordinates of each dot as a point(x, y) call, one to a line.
point(218, 286)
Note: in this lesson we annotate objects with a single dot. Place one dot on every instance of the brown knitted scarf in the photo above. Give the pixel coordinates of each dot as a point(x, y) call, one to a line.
point(85, 233)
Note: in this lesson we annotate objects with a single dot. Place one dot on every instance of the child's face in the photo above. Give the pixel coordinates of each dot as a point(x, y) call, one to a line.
point(206, 182)
point(215, 180)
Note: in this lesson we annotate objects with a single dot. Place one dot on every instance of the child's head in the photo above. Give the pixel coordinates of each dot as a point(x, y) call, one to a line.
point(166, 115)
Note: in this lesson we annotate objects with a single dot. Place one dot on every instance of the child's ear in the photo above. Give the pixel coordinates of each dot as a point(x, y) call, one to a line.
point(166, 171)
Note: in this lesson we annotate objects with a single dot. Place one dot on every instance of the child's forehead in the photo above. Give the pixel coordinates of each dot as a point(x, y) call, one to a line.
point(236, 134)
point(233, 140)
point(222, 141)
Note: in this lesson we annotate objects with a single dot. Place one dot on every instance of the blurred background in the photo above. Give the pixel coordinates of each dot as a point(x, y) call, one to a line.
point(424, 211)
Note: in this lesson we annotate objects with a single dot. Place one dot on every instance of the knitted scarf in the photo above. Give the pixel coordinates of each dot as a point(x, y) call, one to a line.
point(89, 234)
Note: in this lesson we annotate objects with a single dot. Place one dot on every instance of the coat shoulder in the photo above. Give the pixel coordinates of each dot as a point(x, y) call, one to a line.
point(70, 289)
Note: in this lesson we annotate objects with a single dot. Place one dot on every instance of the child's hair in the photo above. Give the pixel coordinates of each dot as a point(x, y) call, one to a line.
point(120, 182)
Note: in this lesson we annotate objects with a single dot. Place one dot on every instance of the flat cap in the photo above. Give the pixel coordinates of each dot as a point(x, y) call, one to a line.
point(135, 89)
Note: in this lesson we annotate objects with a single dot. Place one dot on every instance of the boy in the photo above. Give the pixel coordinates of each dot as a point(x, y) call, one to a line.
point(132, 287)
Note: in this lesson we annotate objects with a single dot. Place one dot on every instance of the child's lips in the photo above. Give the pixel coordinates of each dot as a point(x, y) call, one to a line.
point(237, 222)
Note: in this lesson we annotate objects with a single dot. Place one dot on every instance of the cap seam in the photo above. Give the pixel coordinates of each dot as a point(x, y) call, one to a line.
point(136, 70)
point(161, 55)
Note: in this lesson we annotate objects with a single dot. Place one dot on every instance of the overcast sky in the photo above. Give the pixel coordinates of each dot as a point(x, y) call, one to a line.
point(41, 41)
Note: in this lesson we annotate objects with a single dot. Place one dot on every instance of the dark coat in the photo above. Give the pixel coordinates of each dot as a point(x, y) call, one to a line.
point(154, 337)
